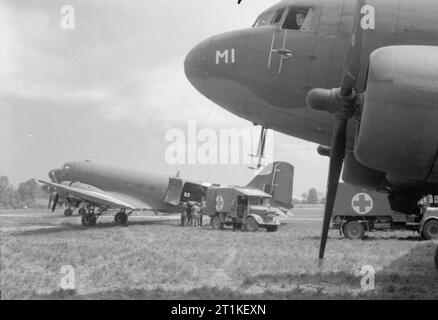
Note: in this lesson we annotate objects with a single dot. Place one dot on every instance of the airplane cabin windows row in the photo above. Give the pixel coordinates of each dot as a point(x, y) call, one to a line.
point(297, 18)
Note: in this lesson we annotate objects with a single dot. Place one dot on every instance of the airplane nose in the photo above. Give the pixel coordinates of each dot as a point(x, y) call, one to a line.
point(196, 65)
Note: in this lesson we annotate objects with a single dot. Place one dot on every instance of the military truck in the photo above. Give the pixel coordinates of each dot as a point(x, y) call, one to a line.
point(241, 208)
point(358, 211)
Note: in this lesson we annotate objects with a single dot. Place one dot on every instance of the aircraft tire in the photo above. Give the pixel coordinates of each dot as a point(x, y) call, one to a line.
point(68, 212)
point(216, 222)
point(354, 230)
point(430, 230)
point(121, 218)
point(82, 211)
point(272, 228)
point(88, 220)
point(251, 225)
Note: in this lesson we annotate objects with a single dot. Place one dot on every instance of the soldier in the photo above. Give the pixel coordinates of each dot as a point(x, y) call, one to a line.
point(194, 214)
point(184, 214)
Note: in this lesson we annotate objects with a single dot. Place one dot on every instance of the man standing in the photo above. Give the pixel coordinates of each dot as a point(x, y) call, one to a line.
point(184, 214)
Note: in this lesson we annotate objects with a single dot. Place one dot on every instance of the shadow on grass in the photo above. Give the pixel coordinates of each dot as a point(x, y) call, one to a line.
point(66, 227)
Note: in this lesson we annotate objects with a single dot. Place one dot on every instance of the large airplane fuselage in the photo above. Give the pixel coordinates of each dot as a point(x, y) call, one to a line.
point(148, 187)
point(244, 72)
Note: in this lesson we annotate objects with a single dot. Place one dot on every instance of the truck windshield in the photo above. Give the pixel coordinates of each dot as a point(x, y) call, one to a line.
point(255, 201)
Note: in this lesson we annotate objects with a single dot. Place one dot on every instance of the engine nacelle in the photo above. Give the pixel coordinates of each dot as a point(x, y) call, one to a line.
point(398, 130)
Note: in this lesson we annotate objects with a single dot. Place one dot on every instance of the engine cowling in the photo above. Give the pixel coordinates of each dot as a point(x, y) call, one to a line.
point(399, 119)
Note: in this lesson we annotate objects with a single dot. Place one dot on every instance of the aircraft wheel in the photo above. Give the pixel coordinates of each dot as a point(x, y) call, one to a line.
point(88, 220)
point(82, 211)
point(121, 218)
point(272, 228)
point(68, 212)
point(354, 230)
point(216, 222)
point(251, 225)
point(430, 230)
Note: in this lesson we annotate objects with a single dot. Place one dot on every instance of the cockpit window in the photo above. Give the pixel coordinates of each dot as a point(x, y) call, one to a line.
point(270, 18)
point(299, 19)
point(264, 20)
point(278, 15)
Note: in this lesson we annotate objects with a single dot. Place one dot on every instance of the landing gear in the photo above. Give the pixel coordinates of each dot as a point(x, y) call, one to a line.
point(82, 211)
point(89, 219)
point(121, 218)
point(68, 212)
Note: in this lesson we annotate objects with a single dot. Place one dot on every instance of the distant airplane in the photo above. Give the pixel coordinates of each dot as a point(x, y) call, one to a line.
point(95, 188)
point(381, 59)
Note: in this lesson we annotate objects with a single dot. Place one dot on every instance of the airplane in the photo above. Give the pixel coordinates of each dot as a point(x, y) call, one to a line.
point(357, 77)
point(95, 188)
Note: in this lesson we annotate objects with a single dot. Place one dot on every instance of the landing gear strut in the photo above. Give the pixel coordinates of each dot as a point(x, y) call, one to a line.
point(68, 212)
point(89, 219)
point(121, 218)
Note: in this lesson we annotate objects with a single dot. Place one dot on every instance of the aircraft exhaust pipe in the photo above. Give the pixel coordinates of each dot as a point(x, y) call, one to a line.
point(324, 151)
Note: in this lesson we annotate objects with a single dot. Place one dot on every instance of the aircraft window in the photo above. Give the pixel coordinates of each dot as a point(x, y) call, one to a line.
point(264, 19)
point(299, 19)
point(278, 15)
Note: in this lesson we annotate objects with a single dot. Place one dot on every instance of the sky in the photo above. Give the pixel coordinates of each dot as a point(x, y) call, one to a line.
point(110, 89)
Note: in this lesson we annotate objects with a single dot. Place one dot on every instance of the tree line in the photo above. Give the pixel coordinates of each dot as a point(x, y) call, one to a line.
point(28, 194)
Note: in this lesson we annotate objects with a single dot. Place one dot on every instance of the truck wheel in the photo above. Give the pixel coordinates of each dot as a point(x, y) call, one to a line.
point(354, 230)
point(251, 225)
point(430, 230)
point(68, 212)
point(216, 222)
point(436, 258)
point(272, 228)
point(88, 220)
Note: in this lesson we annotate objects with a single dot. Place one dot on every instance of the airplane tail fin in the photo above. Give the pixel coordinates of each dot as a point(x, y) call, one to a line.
point(276, 179)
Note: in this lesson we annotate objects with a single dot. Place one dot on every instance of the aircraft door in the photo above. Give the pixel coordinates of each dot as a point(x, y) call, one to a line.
point(174, 191)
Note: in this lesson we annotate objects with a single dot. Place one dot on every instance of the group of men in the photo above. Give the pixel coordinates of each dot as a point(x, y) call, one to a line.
point(192, 214)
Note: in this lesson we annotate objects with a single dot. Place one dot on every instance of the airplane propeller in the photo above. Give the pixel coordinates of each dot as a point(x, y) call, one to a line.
point(55, 197)
point(342, 103)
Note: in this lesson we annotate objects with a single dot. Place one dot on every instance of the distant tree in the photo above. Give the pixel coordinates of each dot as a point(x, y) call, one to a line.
point(313, 196)
point(323, 200)
point(28, 192)
point(8, 195)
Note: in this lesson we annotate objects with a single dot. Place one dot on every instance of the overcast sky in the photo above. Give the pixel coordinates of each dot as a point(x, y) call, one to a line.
point(110, 89)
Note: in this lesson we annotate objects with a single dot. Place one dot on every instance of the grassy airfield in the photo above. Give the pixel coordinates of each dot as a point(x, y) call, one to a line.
point(154, 258)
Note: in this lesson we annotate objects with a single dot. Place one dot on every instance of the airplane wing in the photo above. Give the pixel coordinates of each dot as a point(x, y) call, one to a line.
point(101, 198)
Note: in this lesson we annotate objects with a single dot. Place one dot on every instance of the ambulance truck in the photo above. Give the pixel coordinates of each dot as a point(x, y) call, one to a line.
point(358, 211)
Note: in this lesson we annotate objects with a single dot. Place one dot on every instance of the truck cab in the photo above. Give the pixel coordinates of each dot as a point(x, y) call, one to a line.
point(240, 208)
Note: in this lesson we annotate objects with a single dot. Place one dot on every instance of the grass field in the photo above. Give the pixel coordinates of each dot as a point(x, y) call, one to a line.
point(154, 258)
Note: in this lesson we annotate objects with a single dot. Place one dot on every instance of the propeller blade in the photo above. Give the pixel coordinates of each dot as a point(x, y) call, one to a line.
point(337, 155)
point(261, 147)
point(352, 63)
point(50, 202)
point(55, 202)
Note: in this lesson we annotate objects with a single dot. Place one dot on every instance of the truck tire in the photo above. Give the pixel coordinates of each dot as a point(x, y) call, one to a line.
point(251, 225)
point(354, 230)
point(272, 228)
point(436, 258)
point(430, 230)
point(216, 222)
